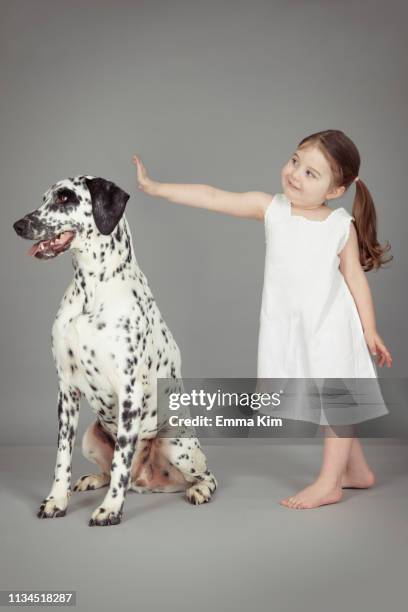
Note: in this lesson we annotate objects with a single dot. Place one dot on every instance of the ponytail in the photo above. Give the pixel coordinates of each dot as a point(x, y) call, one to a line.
point(371, 252)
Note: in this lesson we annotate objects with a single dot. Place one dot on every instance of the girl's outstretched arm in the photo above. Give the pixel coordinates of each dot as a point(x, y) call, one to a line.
point(250, 204)
point(355, 277)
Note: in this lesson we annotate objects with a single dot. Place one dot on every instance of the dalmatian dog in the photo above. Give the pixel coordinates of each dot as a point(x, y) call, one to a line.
point(110, 344)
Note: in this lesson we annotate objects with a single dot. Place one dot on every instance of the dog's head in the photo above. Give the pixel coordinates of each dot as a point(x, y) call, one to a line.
point(72, 209)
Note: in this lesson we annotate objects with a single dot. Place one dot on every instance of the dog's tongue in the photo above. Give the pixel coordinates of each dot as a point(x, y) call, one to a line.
point(35, 248)
point(54, 242)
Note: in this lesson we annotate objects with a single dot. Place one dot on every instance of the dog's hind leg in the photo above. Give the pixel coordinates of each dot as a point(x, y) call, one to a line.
point(152, 472)
point(97, 446)
point(186, 455)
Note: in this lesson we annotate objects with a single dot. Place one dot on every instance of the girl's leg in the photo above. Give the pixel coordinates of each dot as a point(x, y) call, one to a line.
point(358, 473)
point(327, 488)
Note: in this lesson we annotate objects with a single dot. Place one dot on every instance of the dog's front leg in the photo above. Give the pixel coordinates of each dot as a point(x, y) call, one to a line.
point(129, 413)
point(68, 413)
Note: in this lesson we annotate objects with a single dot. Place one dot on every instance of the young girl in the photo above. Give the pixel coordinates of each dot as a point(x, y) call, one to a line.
point(317, 317)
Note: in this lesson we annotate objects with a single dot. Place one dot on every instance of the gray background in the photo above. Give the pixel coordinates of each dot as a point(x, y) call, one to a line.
point(205, 92)
point(218, 93)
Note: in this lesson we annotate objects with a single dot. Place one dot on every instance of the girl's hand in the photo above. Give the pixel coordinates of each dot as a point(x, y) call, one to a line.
point(378, 348)
point(144, 182)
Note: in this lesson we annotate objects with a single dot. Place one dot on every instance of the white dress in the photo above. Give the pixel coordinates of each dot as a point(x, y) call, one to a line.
point(309, 323)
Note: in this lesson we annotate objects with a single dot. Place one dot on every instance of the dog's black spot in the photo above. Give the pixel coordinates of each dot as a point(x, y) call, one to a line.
point(122, 441)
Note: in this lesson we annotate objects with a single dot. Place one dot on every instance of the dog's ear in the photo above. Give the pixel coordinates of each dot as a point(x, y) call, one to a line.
point(108, 203)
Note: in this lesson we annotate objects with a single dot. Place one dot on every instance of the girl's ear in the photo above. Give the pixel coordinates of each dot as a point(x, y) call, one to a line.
point(336, 192)
point(108, 203)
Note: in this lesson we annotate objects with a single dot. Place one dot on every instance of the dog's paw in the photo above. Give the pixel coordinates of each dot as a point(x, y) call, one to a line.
point(103, 516)
point(53, 508)
point(91, 481)
point(198, 494)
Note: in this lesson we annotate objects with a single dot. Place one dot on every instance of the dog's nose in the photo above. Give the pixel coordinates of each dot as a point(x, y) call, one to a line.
point(20, 226)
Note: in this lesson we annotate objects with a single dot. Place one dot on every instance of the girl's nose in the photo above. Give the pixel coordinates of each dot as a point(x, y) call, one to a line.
point(293, 180)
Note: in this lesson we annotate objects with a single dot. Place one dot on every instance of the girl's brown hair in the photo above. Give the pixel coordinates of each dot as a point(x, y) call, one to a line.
point(344, 160)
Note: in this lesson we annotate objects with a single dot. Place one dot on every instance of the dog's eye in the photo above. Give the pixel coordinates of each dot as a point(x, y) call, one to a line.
point(66, 195)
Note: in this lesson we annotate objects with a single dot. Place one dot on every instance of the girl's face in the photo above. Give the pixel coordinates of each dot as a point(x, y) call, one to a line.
point(306, 178)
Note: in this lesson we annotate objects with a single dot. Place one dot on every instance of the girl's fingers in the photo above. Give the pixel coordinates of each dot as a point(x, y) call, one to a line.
point(384, 350)
point(385, 356)
point(140, 166)
point(138, 163)
point(141, 170)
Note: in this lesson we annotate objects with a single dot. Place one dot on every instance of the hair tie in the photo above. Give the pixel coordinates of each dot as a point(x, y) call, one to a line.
point(357, 179)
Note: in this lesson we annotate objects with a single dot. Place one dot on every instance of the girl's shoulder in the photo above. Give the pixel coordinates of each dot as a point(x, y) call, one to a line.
point(277, 207)
point(344, 223)
point(344, 214)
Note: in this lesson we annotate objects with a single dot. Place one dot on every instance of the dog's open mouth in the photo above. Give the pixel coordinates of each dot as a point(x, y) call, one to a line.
point(45, 249)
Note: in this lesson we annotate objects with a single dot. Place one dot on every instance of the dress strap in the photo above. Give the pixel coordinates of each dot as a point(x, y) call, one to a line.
point(278, 208)
point(344, 219)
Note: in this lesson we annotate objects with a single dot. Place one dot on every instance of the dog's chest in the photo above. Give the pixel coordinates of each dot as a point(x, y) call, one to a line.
point(96, 351)
point(83, 358)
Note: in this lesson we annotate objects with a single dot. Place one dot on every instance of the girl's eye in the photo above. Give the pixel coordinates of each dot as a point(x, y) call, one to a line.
point(311, 173)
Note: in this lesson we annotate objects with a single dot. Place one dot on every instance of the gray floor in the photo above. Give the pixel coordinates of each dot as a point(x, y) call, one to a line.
point(242, 551)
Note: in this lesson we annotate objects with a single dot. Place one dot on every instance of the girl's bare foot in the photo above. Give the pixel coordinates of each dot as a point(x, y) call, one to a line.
point(358, 479)
point(320, 493)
